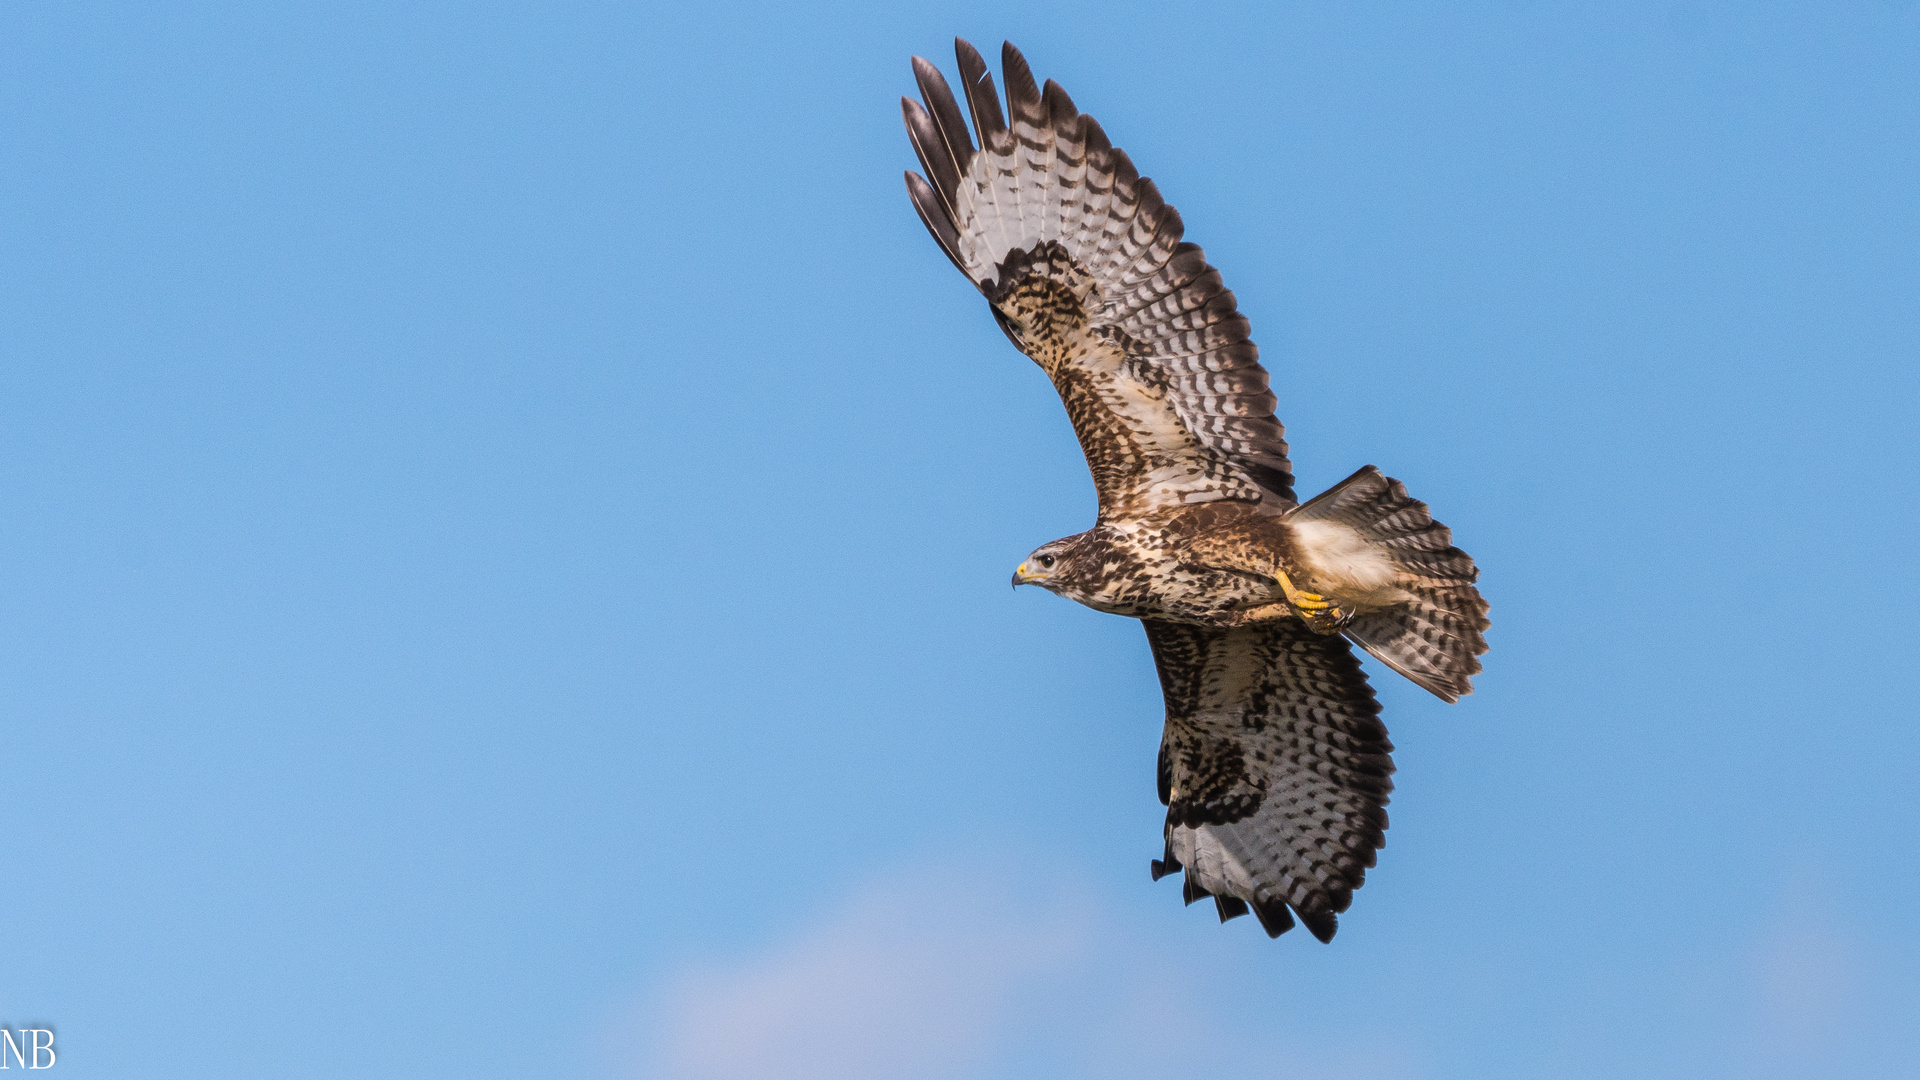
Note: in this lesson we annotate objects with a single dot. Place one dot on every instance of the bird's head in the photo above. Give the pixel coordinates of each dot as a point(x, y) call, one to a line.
point(1051, 566)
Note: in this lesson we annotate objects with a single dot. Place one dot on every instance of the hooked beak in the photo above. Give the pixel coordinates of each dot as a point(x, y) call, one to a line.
point(1021, 577)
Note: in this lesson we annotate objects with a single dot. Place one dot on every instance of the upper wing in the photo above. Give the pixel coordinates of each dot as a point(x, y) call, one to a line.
point(1275, 769)
point(1084, 266)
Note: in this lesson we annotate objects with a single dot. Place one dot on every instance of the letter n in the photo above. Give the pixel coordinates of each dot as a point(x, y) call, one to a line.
point(6, 1044)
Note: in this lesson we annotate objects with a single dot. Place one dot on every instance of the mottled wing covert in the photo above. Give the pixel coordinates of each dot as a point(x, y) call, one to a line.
point(1084, 264)
point(1275, 769)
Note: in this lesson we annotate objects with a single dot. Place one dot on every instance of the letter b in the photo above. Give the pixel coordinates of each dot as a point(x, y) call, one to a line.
point(39, 1046)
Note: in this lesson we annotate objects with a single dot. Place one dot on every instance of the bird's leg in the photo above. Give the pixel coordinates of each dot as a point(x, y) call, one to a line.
point(1322, 616)
point(1259, 613)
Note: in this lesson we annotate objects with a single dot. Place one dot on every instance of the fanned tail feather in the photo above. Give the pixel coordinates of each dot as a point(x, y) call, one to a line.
point(1434, 636)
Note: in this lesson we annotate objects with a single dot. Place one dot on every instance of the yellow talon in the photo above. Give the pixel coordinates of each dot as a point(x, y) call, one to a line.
point(1297, 597)
point(1320, 613)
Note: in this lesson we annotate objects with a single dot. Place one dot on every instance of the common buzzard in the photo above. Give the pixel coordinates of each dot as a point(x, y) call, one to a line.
point(1274, 765)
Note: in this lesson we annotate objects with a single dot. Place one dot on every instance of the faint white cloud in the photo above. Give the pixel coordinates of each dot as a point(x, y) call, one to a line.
point(913, 977)
point(941, 973)
point(1808, 973)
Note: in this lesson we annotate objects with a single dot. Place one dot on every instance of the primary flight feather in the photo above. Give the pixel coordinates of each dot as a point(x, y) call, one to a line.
point(1274, 766)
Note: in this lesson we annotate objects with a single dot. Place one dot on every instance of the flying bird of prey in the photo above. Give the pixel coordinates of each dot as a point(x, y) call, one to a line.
point(1274, 765)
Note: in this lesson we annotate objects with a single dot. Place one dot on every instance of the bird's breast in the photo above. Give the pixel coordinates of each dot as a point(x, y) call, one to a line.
point(1134, 569)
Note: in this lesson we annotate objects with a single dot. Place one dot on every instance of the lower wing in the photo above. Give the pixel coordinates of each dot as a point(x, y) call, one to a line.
point(1275, 769)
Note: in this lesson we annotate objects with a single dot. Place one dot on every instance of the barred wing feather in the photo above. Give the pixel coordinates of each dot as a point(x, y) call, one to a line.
point(1275, 769)
point(1087, 272)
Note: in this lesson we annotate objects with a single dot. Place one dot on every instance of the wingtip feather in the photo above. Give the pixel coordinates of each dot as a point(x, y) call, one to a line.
point(1274, 917)
point(1229, 907)
point(983, 101)
point(926, 202)
point(1023, 94)
point(1321, 924)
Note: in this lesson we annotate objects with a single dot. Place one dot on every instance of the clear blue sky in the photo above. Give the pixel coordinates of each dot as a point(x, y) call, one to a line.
point(505, 519)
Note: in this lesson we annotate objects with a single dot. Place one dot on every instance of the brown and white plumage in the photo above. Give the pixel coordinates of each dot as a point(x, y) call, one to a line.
point(1274, 765)
point(1275, 768)
point(1192, 419)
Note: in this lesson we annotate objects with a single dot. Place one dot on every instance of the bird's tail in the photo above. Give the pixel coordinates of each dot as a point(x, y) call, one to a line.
point(1431, 631)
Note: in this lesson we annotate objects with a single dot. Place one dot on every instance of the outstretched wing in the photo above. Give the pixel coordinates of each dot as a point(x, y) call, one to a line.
point(1085, 268)
point(1275, 769)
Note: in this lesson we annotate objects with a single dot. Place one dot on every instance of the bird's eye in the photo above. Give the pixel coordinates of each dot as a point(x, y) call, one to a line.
point(1046, 561)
